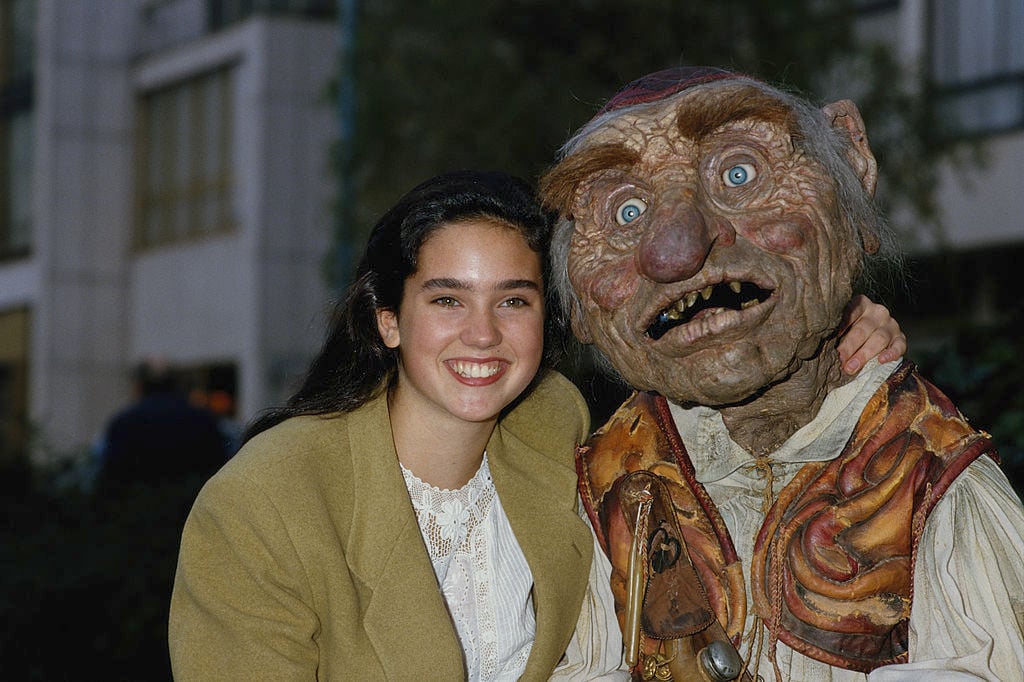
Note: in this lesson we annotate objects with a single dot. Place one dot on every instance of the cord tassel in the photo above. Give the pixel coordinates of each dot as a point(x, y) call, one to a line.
point(637, 578)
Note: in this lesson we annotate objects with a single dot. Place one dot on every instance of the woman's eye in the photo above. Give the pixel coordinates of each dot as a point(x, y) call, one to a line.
point(629, 211)
point(740, 174)
point(514, 302)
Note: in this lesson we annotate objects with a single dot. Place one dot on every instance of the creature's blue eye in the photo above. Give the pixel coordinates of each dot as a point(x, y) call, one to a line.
point(629, 211)
point(740, 174)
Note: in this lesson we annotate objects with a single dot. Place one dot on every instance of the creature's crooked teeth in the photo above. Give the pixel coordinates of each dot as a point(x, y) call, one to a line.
point(474, 370)
point(703, 303)
point(690, 299)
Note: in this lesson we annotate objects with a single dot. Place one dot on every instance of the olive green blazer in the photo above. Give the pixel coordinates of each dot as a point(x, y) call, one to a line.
point(302, 558)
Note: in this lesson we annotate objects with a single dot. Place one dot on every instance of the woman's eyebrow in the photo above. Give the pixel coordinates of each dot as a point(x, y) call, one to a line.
point(505, 284)
point(445, 283)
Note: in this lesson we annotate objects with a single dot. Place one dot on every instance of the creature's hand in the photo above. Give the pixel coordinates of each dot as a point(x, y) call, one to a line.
point(868, 330)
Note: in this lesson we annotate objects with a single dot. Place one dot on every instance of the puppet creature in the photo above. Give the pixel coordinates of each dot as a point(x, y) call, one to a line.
point(749, 494)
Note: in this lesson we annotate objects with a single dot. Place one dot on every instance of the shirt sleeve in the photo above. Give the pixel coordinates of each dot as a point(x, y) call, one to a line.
point(967, 620)
point(595, 651)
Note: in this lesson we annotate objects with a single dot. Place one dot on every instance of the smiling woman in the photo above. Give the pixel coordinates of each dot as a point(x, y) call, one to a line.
point(413, 507)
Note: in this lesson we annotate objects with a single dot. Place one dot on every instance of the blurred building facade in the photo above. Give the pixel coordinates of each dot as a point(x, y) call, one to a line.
point(973, 54)
point(165, 192)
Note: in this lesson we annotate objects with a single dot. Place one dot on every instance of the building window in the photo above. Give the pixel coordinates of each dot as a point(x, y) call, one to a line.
point(14, 432)
point(186, 183)
point(977, 62)
point(17, 30)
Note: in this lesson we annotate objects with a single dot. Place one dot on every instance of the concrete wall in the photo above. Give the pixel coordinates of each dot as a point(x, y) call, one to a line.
point(82, 211)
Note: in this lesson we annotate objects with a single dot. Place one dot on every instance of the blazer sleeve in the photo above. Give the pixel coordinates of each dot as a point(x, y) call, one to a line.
point(241, 604)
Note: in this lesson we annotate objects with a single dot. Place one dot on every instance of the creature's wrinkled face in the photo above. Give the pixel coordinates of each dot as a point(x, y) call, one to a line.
point(708, 258)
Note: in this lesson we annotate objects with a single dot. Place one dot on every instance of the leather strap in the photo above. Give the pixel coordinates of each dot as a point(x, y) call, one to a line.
point(676, 612)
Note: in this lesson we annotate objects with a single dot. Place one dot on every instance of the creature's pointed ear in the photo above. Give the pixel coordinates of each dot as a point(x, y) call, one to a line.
point(577, 320)
point(845, 117)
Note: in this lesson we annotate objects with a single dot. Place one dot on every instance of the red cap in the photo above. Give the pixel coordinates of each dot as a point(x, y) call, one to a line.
point(662, 84)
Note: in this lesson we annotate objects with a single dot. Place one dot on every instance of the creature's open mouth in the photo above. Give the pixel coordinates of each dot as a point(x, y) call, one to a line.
point(708, 301)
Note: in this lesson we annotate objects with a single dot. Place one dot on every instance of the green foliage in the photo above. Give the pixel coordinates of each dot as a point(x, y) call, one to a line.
point(445, 84)
point(980, 369)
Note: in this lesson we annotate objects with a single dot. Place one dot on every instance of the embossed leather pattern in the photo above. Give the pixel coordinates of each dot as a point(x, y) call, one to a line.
point(833, 565)
point(639, 437)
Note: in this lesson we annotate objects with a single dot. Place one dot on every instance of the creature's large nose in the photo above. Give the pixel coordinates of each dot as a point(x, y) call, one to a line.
point(675, 247)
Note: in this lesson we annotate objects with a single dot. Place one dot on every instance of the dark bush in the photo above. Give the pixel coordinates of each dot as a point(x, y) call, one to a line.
point(86, 581)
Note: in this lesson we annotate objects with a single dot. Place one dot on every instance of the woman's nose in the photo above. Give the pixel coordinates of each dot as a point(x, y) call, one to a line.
point(481, 330)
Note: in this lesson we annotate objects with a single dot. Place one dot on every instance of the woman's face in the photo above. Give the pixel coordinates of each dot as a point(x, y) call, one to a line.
point(470, 327)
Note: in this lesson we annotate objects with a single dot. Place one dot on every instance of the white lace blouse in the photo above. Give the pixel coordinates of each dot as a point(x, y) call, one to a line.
point(482, 572)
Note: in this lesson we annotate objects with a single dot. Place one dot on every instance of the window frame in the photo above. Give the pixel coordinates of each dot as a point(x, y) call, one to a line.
point(175, 149)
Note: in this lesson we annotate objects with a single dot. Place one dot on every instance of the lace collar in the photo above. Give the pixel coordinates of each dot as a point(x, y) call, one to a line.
point(447, 516)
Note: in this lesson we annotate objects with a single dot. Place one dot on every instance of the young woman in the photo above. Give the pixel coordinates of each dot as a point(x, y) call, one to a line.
point(411, 513)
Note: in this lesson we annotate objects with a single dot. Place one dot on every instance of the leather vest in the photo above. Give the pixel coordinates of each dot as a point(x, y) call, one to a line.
point(832, 571)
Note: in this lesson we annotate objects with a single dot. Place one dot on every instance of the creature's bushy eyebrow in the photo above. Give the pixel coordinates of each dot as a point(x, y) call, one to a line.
point(699, 117)
point(558, 186)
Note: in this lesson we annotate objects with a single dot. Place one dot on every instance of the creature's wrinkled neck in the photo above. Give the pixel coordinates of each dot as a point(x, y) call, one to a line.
point(764, 423)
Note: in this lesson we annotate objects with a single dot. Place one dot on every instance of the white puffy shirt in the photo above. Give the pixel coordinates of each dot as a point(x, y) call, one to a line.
point(967, 618)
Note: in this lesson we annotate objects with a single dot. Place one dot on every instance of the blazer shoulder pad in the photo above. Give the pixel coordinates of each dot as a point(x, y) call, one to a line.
point(553, 412)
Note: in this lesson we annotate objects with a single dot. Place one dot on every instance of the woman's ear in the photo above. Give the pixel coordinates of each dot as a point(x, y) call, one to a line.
point(387, 327)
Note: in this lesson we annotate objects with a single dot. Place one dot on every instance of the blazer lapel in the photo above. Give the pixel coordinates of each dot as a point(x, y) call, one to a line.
point(406, 619)
point(539, 497)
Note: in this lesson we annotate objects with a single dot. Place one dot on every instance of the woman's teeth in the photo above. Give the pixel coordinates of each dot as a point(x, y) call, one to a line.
point(475, 370)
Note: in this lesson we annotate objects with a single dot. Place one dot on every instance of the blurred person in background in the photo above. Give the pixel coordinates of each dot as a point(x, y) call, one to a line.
point(159, 437)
